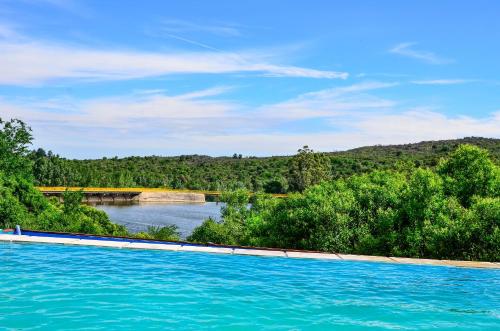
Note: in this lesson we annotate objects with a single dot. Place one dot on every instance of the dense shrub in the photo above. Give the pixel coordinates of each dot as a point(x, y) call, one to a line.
point(468, 173)
point(168, 232)
point(411, 211)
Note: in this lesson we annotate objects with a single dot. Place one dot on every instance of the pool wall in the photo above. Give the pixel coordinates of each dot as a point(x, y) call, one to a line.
point(28, 236)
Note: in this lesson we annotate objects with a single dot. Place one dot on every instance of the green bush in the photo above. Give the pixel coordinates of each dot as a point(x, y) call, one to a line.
point(468, 173)
point(168, 232)
point(211, 232)
point(415, 212)
point(22, 204)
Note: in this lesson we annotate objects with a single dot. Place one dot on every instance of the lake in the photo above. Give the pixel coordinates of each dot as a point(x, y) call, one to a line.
point(138, 216)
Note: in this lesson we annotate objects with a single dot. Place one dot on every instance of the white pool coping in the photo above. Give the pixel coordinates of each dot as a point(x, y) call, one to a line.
point(245, 251)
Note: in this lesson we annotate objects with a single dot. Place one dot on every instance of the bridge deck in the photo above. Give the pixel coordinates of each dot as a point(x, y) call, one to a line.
point(61, 189)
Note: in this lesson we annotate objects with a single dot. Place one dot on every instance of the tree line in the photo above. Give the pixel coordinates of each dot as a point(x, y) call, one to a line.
point(279, 174)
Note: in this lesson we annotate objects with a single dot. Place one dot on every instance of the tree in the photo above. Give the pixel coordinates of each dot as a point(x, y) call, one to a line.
point(40, 152)
point(468, 172)
point(421, 203)
point(72, 201)
point(15, 137)
point(486, 216)
point(308, 168)
point(277, 185)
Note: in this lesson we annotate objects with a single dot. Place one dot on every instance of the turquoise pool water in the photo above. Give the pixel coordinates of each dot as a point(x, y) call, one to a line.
point(54, 287)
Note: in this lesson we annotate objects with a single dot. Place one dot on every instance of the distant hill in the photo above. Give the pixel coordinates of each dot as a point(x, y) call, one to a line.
point(425, 153)
point(222, 173)
point(427, 148)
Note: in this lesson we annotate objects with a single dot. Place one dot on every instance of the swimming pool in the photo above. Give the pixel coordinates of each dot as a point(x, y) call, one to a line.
point(49, 287)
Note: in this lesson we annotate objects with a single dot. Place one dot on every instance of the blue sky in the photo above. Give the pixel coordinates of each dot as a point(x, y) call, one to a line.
point(106, 78)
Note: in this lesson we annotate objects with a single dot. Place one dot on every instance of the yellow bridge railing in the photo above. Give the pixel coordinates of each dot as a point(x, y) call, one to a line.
point(60, 189)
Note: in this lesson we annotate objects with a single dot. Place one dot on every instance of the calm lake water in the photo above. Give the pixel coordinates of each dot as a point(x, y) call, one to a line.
point(138, 216)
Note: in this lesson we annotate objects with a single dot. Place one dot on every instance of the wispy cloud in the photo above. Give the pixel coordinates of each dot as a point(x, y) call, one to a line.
point(137, 111)
point(181, 26)
point(330, 103)
point(30, 62)
point(407, 49)
point(193, 42)
point(70, 6)
point(421, 124)
point(442, 81)
point(370, 129)
point(7, 32)
point(203, 122)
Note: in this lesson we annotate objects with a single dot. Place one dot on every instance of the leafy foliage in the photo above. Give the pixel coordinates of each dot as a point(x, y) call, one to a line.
point(469, 173)
point(412, 211)
point(15, 138)
point(307, 169)
point(21, 203)
point(234, 212)
point(168, 232)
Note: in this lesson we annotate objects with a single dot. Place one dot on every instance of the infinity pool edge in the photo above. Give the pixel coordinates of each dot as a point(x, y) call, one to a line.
point(246, 251)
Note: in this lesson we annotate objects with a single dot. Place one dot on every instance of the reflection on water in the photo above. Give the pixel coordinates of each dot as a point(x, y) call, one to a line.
point(138, 216)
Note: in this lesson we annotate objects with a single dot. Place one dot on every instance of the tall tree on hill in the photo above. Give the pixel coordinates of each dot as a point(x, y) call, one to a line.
point(308, 168)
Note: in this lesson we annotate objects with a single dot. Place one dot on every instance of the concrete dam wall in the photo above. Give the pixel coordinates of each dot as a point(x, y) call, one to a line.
point(187, 197)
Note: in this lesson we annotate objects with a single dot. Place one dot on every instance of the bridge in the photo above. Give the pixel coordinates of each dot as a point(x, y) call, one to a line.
point(143, 194)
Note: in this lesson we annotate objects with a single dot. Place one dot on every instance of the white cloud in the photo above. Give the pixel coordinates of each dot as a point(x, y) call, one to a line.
point(421, 124)
point(200, 122)
point(7, 32)
point(214, 91)
point(29, 62)
point(70, 6)
point(182, 26)
point(193, 42)
point(330, 103)
point(360, 87)
point(123, 112)
point(406, 49)
point(442, 81)
point(407, 127)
